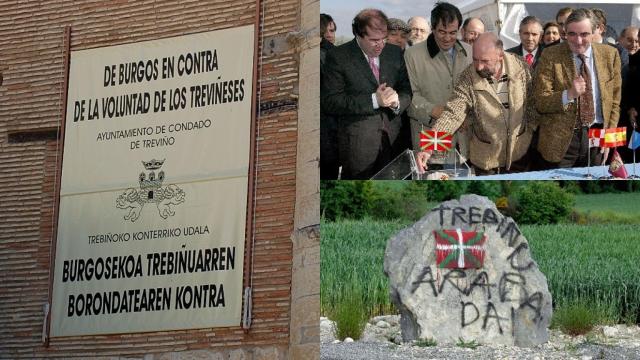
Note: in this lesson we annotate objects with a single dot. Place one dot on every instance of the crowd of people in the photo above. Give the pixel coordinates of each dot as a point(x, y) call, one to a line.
point(529, 107)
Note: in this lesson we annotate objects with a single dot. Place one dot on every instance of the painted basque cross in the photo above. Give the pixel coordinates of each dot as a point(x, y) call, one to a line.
point(457, 249)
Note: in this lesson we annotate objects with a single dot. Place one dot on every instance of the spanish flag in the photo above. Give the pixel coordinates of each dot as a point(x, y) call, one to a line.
point(614, 137)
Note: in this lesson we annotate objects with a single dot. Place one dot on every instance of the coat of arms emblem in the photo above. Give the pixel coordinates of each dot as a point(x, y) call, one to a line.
point(150, 191)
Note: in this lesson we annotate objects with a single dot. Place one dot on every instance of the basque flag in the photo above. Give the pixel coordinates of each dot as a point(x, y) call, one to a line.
point(634, 142)
point(457, 249)
point(435, 140)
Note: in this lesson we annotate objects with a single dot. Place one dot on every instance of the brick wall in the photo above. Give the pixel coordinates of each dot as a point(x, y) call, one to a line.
point(31, 59)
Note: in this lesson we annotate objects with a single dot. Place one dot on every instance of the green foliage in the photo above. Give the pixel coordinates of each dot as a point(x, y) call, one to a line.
point(490, 189)
point(572, 187)
point(349, 315)
point(444, 190)
point(574, 319)
point(541, 202)
point(531, 202)
point(409, 202)
point(471, 344)
point(428, 342)
point(599, 186)
point(346, 199)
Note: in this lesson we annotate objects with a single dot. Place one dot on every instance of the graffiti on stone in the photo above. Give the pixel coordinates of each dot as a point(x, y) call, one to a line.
point(465, 270)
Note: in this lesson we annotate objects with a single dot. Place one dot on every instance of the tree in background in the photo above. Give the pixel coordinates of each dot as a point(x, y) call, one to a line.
point(541, 202)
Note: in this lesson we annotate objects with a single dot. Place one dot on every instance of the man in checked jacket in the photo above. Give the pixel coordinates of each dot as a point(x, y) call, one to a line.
point(494, 93)
point(577, 88)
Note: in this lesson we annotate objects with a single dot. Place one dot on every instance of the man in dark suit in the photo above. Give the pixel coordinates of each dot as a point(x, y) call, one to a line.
point(576, 87)
point(365, 85)
point(530, 39)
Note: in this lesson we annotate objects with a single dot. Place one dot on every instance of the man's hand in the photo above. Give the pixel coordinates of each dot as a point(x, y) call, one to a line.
point(605, 154)
point(422, 158)
point(386, 96)
point(437, 111)
point(578, 87)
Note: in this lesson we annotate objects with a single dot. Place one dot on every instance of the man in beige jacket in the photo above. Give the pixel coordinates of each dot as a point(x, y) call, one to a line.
point(434, 66)
point(492, 94)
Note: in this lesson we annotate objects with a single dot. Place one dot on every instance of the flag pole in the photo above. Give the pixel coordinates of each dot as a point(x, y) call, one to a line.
point(588, 176)
point(455, 162)
point(634, 163)
point(632, 144)
point(634, 176)
point(604, 165)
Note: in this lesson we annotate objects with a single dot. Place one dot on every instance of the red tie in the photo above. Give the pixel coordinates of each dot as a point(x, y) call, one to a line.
point(529, 59)
point(374, 68)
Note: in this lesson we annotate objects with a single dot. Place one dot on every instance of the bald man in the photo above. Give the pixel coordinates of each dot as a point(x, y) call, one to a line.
point(420, 29)
point(501, 130)
point(471, 29)
point(629, 39)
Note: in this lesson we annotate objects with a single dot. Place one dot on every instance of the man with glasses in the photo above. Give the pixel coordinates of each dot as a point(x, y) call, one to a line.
point(365, 85)
point(420, 29)
point(434, 67)
point(577, 87)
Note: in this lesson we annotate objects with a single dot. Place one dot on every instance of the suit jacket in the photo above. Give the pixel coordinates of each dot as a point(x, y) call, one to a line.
point(498, 136)
point(346, 88)
point(519, 51)
point(432, 77)
point(555, 74)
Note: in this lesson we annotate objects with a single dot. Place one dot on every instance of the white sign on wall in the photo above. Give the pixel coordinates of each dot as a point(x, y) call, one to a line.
point(153, 195)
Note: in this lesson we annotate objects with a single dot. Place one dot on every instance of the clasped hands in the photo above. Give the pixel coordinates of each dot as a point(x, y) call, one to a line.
point(387, 97)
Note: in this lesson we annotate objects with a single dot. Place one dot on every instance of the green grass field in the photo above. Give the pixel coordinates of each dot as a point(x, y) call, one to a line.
point(594, 264)
point(628, 203)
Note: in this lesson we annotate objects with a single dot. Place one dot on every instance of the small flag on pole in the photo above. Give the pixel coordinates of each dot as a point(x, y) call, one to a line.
point(435, 140)
point(596, 137)
point(615, 137)
point(634, 142)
